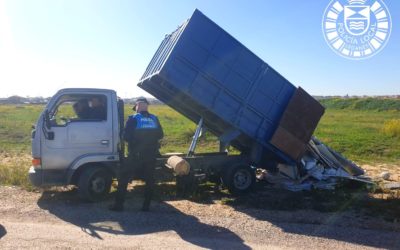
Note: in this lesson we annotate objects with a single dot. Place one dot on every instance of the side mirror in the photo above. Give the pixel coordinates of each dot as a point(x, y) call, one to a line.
point(46, 119)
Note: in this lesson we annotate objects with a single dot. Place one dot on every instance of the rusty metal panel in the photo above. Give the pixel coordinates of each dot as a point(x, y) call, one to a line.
point(297, 124)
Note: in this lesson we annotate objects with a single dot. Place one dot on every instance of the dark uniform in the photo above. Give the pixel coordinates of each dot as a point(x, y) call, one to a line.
point(142, 132)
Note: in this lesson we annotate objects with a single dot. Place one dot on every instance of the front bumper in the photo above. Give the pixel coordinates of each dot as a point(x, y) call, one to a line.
point(36, 176)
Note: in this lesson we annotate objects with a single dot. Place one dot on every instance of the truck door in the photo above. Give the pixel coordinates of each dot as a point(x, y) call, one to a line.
point(82, 126)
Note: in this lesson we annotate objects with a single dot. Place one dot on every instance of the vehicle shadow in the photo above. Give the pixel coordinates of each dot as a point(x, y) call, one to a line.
point(348, 214)
point(2, 231)
point(322, 214)
point(94, 218)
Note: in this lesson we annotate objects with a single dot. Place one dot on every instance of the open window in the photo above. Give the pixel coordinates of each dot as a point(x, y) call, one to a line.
point(79, 108)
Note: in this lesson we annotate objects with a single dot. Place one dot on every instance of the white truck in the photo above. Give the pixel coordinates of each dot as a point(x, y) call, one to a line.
point(83, 151)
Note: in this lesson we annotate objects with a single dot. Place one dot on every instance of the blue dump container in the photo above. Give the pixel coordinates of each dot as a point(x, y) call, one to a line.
point(202, 71)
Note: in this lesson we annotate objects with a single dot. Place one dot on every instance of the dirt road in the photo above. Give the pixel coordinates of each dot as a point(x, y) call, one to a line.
point(55, 219)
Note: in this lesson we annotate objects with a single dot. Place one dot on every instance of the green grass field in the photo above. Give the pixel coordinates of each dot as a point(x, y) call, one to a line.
point(356, 133)
point(365, 130)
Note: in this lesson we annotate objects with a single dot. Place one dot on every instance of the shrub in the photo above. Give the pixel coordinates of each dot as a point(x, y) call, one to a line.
point(392, 127)
point(378, 104)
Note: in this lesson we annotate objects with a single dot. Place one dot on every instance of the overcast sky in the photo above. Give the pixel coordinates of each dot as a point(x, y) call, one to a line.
point(48, 45)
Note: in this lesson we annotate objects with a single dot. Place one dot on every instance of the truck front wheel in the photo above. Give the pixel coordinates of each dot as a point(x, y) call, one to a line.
point(239, 178)
point(94, 184)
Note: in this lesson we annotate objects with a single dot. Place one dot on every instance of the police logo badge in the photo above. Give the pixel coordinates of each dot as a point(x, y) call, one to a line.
point(357, 29)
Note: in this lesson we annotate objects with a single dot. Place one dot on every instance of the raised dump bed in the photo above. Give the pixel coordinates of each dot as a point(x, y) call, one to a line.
point(202, 71)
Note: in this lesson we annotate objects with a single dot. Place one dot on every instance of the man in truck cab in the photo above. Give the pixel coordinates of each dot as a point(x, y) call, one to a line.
point(98, 108)
point(143, 133)
point(82, 109)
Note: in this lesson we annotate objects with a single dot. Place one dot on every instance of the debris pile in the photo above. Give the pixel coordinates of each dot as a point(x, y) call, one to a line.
point(320, 168)
point(387, 182)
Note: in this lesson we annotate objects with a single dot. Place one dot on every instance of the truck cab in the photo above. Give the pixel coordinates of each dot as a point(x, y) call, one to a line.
point(77, 140)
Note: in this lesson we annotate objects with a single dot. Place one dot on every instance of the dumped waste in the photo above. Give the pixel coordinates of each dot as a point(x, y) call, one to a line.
point(391, 185)
point(385, 175)
point(320, 168)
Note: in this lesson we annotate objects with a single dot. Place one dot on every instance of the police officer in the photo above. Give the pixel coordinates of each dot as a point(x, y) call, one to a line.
point(142, 132)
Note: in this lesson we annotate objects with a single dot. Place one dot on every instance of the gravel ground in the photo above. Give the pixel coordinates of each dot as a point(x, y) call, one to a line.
point(57, 219)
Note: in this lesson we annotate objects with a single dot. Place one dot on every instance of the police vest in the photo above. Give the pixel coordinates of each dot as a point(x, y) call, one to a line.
point(145, 122)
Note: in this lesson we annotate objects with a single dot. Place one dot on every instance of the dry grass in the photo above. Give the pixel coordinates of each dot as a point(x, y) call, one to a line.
point(392, 128)
point(14, 169)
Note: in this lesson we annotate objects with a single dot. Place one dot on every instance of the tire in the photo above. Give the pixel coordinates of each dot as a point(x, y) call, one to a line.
point(94, 184)
point(239, 179)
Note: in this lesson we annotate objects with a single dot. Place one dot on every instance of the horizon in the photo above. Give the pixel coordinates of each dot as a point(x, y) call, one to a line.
point(49, 45)
point(394, 96)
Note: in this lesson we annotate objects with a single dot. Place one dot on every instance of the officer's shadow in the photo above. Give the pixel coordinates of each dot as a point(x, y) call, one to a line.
point(2, 231)
point(95, 218)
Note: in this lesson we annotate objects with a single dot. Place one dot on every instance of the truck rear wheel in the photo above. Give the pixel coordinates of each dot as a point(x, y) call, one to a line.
point(239, 178)
point(94, 184)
